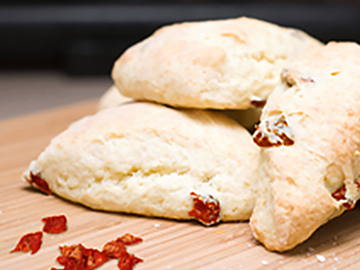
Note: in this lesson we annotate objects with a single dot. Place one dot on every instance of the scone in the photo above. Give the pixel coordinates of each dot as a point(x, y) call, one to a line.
point(111, 98)
point(152, 160)
point(224, 64)
point(310, 137)
point(247, 118)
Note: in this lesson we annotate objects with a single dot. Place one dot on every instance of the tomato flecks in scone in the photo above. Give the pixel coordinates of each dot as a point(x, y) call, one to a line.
point(206, 209)
point(340, 193)
point(40, 183)
point(258, 103)
point(273, 133)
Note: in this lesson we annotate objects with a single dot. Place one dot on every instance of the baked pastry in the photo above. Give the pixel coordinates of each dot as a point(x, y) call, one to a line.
point(310, 138)
point(152, 160)
point(111, 98)
point(224, 64)
point(247, 118)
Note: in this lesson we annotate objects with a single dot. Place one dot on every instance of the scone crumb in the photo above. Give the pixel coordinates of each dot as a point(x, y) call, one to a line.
point(320, 258)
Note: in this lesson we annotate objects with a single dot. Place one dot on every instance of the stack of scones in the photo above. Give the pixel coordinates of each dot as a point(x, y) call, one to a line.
point(183, 118)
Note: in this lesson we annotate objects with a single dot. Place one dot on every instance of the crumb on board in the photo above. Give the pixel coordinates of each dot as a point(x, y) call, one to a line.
point(320, 258)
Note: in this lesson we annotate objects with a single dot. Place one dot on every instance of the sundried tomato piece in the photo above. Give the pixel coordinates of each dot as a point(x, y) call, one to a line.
point(55, 224)
point(260, 103)
point(128, 261)
point(273, 133)
point(29, 242)
point(339, 194)
point(78, 257)
point(128, 239)
point(40, 183)
point(206, 209)
point(114, 249)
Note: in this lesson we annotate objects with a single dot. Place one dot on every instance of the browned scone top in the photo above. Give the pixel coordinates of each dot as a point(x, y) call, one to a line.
point(310, 140)
point(220, 64)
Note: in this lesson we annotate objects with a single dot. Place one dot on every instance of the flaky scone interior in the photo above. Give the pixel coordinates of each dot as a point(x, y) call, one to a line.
point(152, 160)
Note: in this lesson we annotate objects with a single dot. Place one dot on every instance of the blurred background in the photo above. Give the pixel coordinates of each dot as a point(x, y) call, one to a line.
point(54, 52)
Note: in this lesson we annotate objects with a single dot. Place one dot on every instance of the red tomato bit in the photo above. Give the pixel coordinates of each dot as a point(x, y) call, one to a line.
point(128, 239)
point(339, 194)
point(30, 241)
point(206, 209)
point(114, 250)
point(260, 103)
point(128, 261)
point(40, 183)
point(77, 257)
point(274, 133)
point(55, 224)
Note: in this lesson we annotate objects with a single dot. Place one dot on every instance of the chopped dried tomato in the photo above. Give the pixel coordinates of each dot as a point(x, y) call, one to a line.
point(128, 261)
point(128, 239)
point(206, 209)
point(258, 103)
point(276, 133)
point(30, 241)
point(339, 194)
point(114, 250)
point(78, 257)
point(54, 224)
point(40, 183)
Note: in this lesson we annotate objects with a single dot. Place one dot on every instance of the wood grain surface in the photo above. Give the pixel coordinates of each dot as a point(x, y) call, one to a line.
point(167, 244)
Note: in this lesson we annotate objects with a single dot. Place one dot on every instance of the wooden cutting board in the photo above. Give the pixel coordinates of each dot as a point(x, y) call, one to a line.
point(167, 244)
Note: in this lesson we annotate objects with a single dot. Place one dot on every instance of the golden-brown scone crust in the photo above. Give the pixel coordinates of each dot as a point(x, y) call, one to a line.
point(313, 115)
point(146, 159)
point(224, 64)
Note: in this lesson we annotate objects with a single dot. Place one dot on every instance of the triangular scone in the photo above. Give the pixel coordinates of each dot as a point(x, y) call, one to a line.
point(147, 159)
point(224, 64)
point(310, 134)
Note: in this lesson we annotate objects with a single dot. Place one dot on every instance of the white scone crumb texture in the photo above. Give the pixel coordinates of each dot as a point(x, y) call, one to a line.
point(223, 64)
point(146, 159)
point(317, 100)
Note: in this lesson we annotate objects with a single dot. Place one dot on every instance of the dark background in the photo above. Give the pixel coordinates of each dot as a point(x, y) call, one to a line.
point(85, 37)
